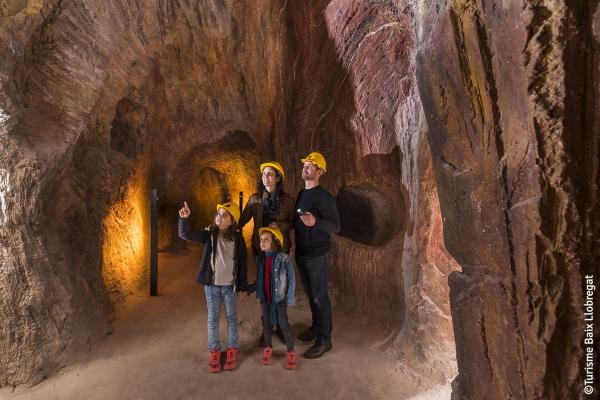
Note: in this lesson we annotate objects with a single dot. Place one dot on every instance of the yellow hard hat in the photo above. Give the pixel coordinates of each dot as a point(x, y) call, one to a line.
point(232, 208)
point(273, 164)
point(274, 231)
point(316, 158)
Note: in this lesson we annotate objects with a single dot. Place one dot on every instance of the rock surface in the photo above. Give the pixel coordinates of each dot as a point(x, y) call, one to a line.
point(476, 121)
point(99, 102)
point(513, 127)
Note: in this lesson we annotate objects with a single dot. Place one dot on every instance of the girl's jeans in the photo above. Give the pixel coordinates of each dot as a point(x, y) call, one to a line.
point(215, 295)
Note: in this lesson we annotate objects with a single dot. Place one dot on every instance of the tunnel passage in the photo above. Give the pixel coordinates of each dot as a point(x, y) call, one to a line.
point(209, 188)
point(372, 218)
point(488, 96)
point(206, 189)
point(206, 175)
point(367, 257)
point(190, 100)
point(368, 215)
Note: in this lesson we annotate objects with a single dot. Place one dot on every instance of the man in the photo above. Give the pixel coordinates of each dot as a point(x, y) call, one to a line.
point(316, 218)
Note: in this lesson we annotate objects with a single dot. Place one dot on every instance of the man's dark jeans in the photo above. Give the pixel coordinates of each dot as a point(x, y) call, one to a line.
point(313, 272)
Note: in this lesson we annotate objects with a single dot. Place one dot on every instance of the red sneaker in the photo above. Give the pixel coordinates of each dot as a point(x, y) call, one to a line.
point(290, 362)
point(231, 362)
point(214, 361)
point(266, 358)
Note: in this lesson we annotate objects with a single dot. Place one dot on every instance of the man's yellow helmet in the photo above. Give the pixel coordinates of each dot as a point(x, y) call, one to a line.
point(316, 158)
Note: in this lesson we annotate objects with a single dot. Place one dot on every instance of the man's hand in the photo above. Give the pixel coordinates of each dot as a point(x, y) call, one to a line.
point(308, 219)
point(185, 211)
point(273, 225)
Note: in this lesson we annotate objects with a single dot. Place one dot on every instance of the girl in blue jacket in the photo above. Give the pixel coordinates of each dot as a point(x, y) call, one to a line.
point(275, 287)
point(223, 271)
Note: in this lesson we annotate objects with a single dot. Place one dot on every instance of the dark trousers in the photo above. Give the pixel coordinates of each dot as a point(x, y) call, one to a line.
point(282, 318)
point(313, 272)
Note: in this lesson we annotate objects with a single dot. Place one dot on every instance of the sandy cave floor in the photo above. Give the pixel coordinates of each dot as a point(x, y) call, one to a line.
point(158, 351)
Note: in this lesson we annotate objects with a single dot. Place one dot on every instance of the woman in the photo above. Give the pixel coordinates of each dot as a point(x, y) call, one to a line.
point(270, 206)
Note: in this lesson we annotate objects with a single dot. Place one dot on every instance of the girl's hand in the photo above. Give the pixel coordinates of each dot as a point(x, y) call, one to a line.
point(185, 211)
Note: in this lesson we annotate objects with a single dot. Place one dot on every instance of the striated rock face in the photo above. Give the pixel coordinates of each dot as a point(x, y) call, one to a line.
point(467, 125)
point(365, 114)
point(513, 127)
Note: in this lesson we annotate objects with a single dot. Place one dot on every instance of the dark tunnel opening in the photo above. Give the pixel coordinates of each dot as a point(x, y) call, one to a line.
point(369, 215)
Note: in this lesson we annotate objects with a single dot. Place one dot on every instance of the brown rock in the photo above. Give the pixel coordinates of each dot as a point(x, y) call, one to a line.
point(505, 149)
point(464, 124)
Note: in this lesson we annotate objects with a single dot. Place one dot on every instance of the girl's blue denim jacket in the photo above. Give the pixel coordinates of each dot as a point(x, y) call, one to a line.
point(283, 279)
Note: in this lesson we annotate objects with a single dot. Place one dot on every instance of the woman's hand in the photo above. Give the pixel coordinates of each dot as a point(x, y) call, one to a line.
point(185, 211)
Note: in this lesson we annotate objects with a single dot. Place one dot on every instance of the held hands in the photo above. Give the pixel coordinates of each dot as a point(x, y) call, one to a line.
point(185, 211)
point(244, 295)
point(308, 219)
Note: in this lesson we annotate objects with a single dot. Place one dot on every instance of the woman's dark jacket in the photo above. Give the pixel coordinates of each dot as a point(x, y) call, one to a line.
point(205, 274)
point(284, 220)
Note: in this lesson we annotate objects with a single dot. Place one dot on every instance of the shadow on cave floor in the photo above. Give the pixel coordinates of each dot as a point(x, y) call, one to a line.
point(158, 351)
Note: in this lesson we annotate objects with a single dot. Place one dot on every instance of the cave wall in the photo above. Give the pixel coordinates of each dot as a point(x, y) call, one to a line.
point(509, 89)
point(98, 102)
point(365, 115)
point(478, 118)
point(101, 101)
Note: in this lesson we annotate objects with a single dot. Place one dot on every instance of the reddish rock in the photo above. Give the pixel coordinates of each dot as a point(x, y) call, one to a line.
point(463, 124)
point(515, 163)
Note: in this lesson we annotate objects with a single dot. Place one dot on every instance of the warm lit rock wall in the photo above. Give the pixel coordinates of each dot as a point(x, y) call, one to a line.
point(490, 104)
point(98, 101)
point(509, 91)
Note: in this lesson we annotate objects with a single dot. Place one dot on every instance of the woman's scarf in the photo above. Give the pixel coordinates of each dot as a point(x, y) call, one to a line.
point(270, 204)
